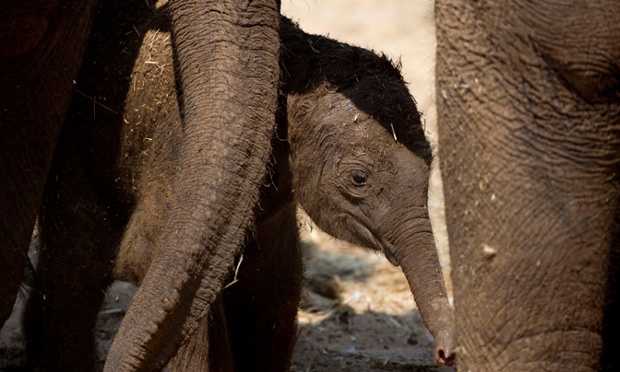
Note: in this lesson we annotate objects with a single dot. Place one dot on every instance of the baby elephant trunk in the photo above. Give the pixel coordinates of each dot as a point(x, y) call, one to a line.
point(417, 255)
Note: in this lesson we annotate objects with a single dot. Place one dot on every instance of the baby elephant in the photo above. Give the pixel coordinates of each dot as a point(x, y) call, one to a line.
point(349, 148)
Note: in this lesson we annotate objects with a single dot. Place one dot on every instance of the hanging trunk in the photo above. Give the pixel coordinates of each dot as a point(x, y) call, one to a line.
point(417, 256)
point(227, 54)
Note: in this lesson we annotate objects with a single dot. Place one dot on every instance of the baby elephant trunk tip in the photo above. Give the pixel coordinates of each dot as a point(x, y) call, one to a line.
point(444, 356)
point(445, 342)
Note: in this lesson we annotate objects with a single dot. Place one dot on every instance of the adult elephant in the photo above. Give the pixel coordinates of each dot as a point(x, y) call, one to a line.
point(529, 125)
point(229, 74)
point(41, 48)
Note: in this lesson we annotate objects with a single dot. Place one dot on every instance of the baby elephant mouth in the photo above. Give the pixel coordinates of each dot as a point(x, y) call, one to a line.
point(369, 239)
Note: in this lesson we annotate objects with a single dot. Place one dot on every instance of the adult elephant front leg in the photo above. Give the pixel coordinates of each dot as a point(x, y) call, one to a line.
point(228, 77)
point(256, 324)
point(41, 49)
point(261, 306)
point(529, 119)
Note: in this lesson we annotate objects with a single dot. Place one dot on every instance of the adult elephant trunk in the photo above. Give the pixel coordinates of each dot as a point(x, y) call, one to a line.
point(416, 254)
point(227, 54)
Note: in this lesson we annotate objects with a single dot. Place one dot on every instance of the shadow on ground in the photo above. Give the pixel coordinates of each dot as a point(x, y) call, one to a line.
point(357, 314)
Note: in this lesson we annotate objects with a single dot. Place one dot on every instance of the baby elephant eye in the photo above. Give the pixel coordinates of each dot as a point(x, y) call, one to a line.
point(358, 178)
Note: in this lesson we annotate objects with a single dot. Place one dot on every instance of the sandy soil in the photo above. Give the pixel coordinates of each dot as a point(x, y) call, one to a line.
point(358, 313)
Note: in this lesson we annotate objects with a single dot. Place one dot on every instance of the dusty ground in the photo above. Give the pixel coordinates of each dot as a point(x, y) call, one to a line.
point(358, 313)
point(369, 324)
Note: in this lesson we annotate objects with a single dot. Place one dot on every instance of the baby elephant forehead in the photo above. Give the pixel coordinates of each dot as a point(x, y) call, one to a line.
point(340, 109)
point(389, 114)
point(371, 128)
point(370, 143)
point(362, 132)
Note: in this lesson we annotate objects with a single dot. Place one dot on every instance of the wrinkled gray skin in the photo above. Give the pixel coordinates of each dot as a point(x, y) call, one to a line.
point(228, 75)
point(41, 48)
point(529, 134)
point(113, 184)
point(36, 85)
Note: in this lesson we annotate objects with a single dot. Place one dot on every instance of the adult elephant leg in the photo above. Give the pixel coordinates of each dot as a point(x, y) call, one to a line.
point(529, 154)
point(228, 54)
point(611, 323)
point(208, 348)
point(80, 233)
point(41, 48)
point(259, 307)
point(261, 304)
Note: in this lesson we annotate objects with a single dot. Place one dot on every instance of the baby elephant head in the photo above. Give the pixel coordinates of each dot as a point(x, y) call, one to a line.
point(361, 170)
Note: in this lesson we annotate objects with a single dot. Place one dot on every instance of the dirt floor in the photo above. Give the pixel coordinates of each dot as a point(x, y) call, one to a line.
point(358, 313)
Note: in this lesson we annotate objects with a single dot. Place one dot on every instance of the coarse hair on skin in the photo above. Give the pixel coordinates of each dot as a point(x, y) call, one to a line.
point(372, 82)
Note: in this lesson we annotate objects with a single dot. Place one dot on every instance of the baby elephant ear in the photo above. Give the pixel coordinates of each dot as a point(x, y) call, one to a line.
point(237, 55)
